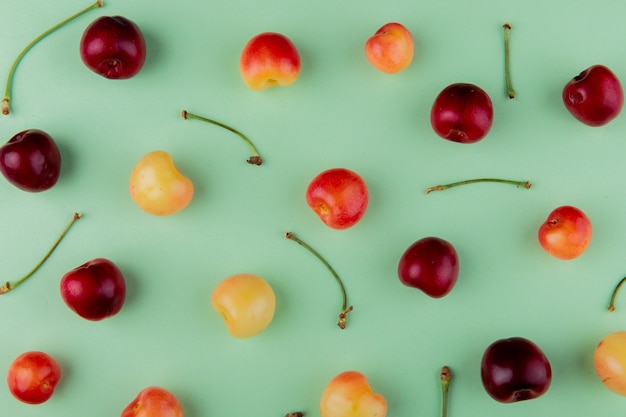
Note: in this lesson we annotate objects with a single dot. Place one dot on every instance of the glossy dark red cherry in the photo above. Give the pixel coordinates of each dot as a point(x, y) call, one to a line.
point(462, 113)
point(113, 47)
point(31, 160)
point(431, 264)
point(595, 96)
point(95, 290)
point(515, 369)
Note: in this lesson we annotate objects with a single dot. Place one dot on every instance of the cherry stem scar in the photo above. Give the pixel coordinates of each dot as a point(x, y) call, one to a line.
point(507, 61)
point(445, 376)
point(8, 286)
point(615, 291)
point(525, 184)
point(255, 159)
point(8, 89)
point(344, 307)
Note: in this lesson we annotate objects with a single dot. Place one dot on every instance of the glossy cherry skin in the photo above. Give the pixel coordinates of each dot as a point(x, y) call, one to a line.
point(566, 233)
point(391, 48)
point(33, 376)
point(95, 290)
point(268, 60)
point(349, 395)
point(462, 113)
point(113, 47)
point(515, 369)
point(595, 96)
point(339, 197)
point(609, 360)
point(154, 402)
point(431, 264)
point(31, 160)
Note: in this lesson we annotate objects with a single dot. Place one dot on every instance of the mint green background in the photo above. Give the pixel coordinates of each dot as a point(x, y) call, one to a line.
point(340, 112)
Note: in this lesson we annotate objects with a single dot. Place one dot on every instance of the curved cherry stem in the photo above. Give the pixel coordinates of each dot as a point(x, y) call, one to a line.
point(507, 61)
point(6, 108)
point(255, 159)
point(445, 377)
point(615, 291)
point(344, 306)
point(8, 286)
point(525, 184)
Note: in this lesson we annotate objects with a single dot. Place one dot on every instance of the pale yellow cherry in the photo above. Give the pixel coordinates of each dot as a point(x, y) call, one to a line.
point(246, 302)
point(157, 186)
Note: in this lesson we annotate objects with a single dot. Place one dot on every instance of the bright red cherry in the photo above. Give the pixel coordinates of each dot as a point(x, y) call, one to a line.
point(33, 376)
point(339, 197)
point(114, 47)
point(95, 290)
point(566, 233)
point(515, 369)
point(31, 160)
point(154, 402)
point(595, 96)
point(431, 264)
point(462, 113)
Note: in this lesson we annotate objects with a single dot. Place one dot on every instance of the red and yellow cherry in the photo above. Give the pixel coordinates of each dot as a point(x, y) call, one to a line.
point(269, 59)
point(339, 197)
point(246, 303)
point(609, 360)
point(33, 376)
point(154, 402)
point(391, 48)
point(566, 233)
point(431, 264)
point(95, 290)
point(157, 186)
point(349, 395)
point(113, 47)
point(462, 113)
point(595, 96)
point(31, 160)
point(515, 369)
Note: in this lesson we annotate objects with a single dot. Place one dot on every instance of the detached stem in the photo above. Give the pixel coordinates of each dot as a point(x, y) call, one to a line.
point(255, 159)
point(615, 291)
point(445, 376)
point(507, 61)
point(296, 414)
point(525, 184)
point(344, 307)
point(8, 286)
point(9, 86)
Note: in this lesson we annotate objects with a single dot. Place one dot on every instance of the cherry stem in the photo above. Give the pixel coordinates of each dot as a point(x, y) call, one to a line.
point(445, 376)
point(615, 291)
point(525, 184)
point(8, 286)
point(344, 307)
point(507, 61)
point(255, 159)
point(8, 89)
point(296, 414)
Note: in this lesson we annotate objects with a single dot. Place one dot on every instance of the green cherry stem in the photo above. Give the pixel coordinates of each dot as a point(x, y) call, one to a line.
point(507, 61)
point(344, 307)
point(8, 286)
point(445, 377)
point(525, 184)
point(615, 291)
point(9, 86)
point(255, 159)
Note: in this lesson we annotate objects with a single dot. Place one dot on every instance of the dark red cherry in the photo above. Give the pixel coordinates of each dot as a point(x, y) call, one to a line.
point(462, 113)
point(31, 160)
point(515, 369)
point(113, 47)
point(595, 96)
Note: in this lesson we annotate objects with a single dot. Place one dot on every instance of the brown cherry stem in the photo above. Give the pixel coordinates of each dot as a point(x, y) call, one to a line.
point(525, 184)
point(507, 61)
point(344, 307)
point(296, 414)
point(615, 291)
point(9, 85)
point(8, 286)
point(255, 159)
point(445, 376)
